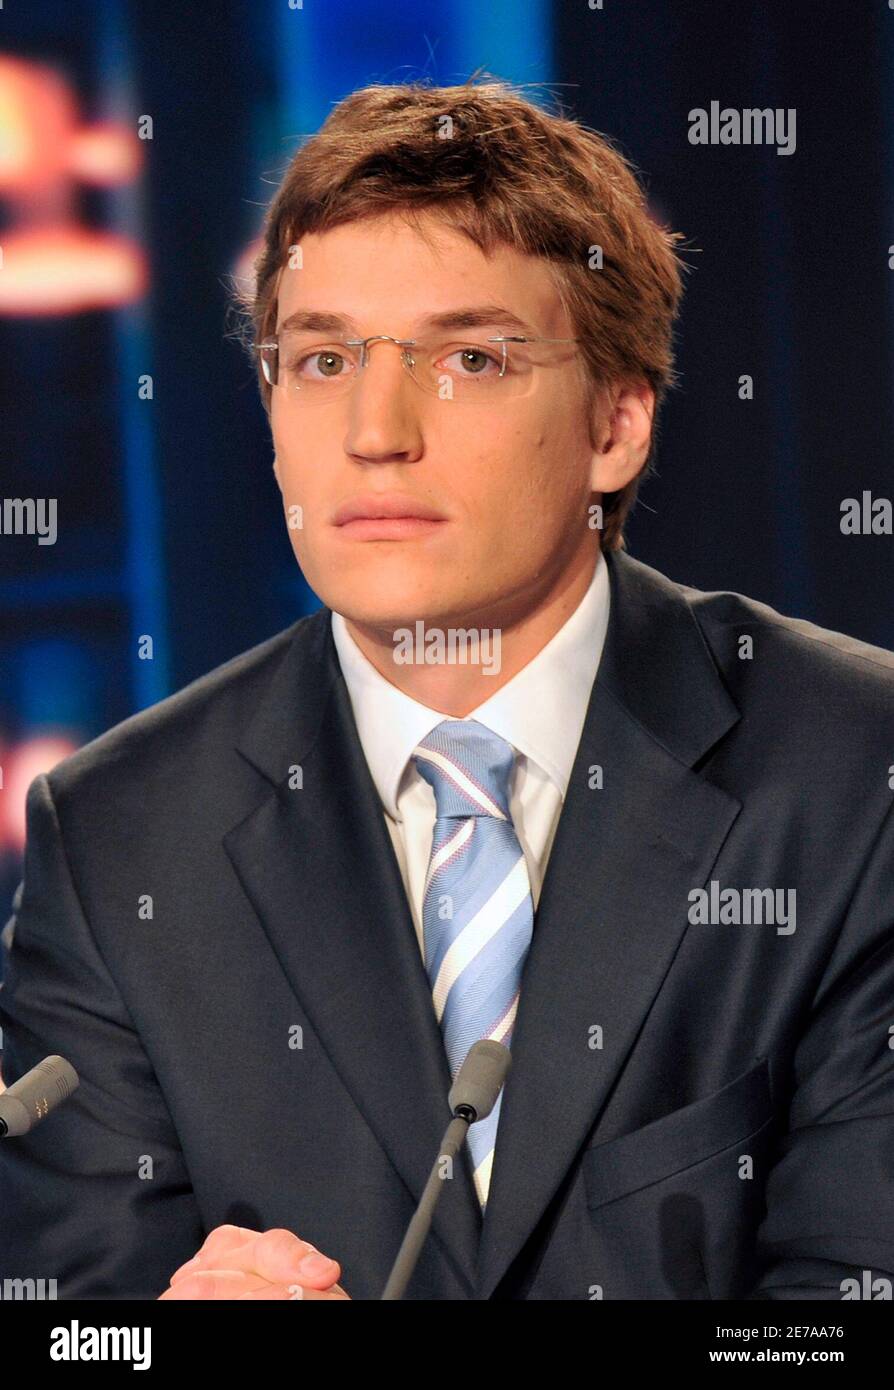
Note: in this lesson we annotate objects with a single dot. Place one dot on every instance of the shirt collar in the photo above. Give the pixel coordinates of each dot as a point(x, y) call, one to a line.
point(540, 711)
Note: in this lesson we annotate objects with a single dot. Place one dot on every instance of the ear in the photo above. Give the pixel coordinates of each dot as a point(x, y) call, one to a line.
point(276, 472)
point(622, 433)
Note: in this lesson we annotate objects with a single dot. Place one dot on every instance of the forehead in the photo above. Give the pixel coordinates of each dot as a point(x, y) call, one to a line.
point(384, 270)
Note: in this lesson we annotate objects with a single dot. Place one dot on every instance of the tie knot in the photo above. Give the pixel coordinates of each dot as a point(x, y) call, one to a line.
point(468, 768)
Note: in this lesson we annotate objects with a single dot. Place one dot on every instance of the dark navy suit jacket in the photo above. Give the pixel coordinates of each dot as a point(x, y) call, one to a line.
point(695, 1109)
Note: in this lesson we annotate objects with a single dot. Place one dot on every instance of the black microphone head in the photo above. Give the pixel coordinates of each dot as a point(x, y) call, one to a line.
point(480, 1078)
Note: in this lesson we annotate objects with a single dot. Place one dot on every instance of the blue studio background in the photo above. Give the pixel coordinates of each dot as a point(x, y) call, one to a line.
point(169, 518)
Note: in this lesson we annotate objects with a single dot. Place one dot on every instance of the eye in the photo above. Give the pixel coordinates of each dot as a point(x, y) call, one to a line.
point(328, 363)
point(474, 361)
point(322, 365)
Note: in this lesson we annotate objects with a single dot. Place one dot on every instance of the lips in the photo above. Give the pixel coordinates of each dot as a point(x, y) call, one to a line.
point(385, 506)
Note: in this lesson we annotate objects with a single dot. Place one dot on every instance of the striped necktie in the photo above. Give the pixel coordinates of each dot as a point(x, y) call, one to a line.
point(477, 913)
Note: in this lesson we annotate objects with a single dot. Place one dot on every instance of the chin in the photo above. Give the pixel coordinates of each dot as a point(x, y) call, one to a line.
point(389, 606)
point(384, 611)
point(389, 595)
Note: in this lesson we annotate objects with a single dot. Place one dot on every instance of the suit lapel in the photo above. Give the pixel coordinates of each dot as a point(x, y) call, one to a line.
point(319, 868)
point(612, 910)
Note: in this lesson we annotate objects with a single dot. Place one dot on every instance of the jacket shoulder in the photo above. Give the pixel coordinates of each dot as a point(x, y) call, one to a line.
point(810, 660)
point(727, 608)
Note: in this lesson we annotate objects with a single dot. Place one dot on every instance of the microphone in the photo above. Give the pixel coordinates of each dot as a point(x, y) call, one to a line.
point(35, 1094)
point(472, 1097)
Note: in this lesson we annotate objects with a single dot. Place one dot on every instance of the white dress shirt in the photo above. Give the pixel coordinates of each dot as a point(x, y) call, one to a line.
point(540, 711)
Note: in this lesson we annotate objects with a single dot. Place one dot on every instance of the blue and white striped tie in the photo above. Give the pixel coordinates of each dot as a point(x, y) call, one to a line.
point(478, 913)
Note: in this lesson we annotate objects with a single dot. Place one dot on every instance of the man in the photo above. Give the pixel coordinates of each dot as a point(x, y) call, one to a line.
point(508, 782)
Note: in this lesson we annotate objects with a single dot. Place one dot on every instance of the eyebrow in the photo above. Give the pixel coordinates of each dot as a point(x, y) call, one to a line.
point(472, 316)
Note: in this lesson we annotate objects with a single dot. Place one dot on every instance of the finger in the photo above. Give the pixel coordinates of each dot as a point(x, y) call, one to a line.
point(226, 1236)
point(293, 1292)
point(221, 1239)
point(280, 1257)
point(214, 1284)
point(283, 1258)
point(217, 1246)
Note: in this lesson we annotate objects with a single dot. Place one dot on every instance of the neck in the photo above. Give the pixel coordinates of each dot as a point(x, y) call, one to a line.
point(457, 688)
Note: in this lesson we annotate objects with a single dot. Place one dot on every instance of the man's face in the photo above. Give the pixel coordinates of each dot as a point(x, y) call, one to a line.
point(512, 479)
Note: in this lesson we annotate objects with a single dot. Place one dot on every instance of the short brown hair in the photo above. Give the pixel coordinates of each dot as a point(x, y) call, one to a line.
point(511, 173)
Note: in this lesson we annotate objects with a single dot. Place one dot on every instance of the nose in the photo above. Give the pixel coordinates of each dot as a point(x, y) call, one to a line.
point(383, 408)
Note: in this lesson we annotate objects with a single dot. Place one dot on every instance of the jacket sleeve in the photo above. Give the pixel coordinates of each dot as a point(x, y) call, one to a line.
point(97, 1196)
point(830, 1195)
